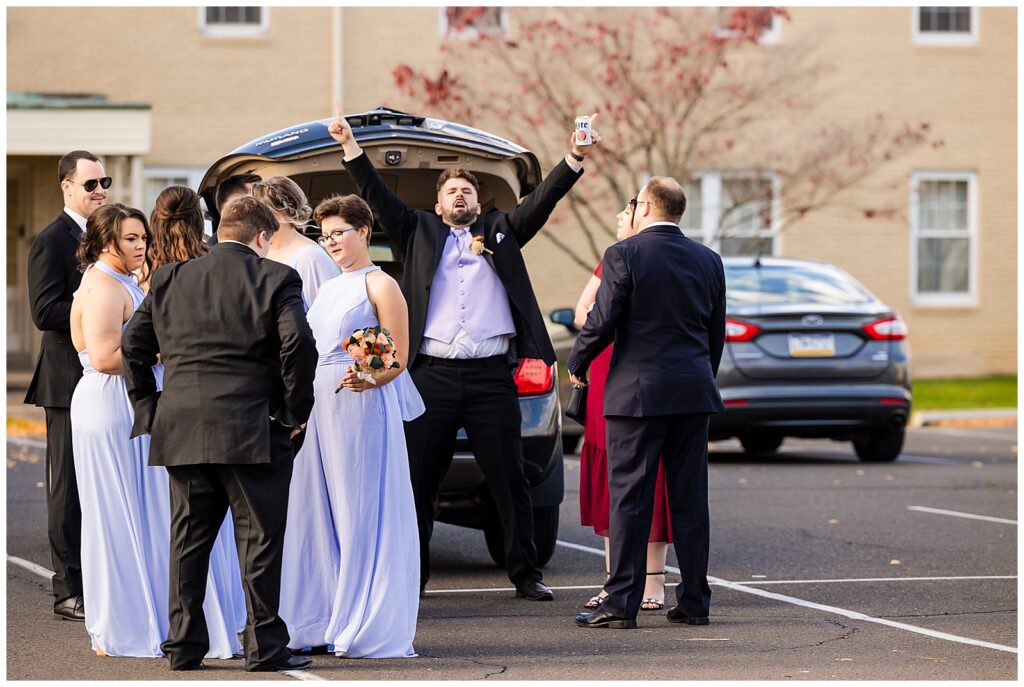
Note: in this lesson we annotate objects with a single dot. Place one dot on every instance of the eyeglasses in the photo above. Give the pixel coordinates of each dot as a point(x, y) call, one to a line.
point(335, 236)
point(633, 202)
point(90, 185)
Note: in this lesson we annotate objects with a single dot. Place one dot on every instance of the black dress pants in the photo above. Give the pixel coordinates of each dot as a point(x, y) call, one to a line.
point(480, 396)
point(200, 496)
point(63, 511)
point(634, 447)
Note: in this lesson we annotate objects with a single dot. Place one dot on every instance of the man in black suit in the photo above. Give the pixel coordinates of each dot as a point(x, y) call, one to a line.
point(472, 315)
point(662, 301)
point(53, 278)
point(239, 360)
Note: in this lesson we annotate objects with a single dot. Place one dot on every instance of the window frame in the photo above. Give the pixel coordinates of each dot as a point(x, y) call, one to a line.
point(711, 208)
point(768, 37)
point(471, 33)
point(194, 176)
point(234, 30)
point(949, 299)
point(952, 39)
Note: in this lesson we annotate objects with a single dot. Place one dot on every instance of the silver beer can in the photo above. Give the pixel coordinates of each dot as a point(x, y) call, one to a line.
point(583, 135)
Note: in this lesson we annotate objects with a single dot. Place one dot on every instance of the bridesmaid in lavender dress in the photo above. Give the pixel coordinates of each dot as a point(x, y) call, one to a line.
point(125, 502)
point(360, 588)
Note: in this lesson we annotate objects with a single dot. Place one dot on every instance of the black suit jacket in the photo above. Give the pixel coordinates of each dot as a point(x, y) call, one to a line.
point(53, 278)
point(419, 237)
point(231, 331)
point(662, 300)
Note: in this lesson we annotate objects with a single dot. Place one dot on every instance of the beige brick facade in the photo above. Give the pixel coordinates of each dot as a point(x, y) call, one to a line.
point(209, 95)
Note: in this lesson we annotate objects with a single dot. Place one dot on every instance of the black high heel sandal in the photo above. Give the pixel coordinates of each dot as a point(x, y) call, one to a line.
point(650, 603)
point(595, 601)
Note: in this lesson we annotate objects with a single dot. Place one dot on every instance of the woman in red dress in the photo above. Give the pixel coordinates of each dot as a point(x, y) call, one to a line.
point(594, 459)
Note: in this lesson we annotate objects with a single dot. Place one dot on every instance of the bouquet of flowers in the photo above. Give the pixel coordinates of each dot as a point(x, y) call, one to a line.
point(373, 351)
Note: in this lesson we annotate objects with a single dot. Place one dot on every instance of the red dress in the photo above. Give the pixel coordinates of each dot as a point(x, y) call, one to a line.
point(594, 461)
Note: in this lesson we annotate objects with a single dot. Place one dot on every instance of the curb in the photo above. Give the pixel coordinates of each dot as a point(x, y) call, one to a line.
point(927, 418)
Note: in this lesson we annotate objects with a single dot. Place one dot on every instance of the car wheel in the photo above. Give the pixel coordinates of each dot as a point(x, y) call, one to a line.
point(761, 443)
point(545, 536)
point(883, 446)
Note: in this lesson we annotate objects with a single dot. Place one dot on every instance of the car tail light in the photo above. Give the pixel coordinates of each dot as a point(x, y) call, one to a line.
point(736, 403)
point(533, 377)
point(894, 401)
point(737, 331)
point(887, 329)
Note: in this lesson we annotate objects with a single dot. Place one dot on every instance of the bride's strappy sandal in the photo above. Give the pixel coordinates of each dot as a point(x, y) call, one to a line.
point(596, 600)
point(650, 603)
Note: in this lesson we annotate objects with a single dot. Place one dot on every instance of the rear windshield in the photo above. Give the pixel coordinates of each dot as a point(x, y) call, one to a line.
point(784, 284)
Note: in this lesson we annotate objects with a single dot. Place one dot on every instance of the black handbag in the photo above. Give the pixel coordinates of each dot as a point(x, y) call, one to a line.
point(576, 407)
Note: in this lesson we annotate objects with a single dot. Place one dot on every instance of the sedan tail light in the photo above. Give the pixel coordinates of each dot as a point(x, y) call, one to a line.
point(887, 329)
point(533, 377)
point(737, 331)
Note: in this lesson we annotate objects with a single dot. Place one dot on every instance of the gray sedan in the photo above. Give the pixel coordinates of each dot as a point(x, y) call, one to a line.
point(809, 352)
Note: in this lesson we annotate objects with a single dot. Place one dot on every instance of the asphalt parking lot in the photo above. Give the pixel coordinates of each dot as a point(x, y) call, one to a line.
point(824, 568)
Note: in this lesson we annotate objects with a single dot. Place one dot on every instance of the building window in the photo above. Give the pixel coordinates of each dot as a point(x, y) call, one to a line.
point(234, 21)
point(471, 22)
point(945, 25)
point(159, 178)
point(943, 229)
point(746, 215)
point(733, 213)
point(770, 24)
point(693, 219)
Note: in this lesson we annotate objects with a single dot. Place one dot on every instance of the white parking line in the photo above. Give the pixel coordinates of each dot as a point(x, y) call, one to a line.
point(882, 579)
point(22, 441)
point(854, 615)
point(47, 574)
point(931, 460)
point(958, 514)
point(30, 566)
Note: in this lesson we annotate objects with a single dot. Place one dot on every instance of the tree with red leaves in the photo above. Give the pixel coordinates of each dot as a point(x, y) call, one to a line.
point(679, 90)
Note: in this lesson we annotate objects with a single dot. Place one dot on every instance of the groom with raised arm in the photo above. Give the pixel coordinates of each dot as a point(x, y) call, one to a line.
point(472, 315)
point(239, 362)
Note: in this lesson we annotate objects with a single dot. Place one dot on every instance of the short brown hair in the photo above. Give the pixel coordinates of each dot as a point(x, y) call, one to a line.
point(668, 197)
point(232, 185)
point(69, 163)
point(245, 218)
point(351, 208)
point(103, 229)
point(457, 173)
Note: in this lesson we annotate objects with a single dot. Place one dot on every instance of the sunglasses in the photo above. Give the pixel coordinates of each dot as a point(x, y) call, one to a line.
point(335, 236)
point(633, 202)
point(90, 185)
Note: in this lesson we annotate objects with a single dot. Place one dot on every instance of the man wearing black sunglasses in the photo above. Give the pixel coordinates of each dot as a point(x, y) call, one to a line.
point(53, 278)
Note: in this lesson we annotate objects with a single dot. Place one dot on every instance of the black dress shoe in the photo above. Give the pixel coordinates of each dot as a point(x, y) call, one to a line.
point(601, 618)
point(70, 609)
point(534, 590)
point(290, 663)
point(318, 650)
point(676, 615)
point(194, 664)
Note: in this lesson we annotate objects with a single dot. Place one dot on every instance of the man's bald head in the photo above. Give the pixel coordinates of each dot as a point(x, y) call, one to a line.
point(667, 199)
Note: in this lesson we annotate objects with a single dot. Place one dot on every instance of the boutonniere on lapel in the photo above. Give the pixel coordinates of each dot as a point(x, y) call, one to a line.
point(478, 248)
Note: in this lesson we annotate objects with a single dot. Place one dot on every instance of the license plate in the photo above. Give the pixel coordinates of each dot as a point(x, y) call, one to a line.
point(812, 345)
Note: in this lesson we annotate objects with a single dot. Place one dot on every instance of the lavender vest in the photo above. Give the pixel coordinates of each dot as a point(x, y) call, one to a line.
point(466, 294)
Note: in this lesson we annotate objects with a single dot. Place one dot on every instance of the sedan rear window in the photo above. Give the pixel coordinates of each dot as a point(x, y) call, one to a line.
point(791, 284)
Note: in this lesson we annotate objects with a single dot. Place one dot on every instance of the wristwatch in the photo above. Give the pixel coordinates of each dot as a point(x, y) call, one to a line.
point(574, 156)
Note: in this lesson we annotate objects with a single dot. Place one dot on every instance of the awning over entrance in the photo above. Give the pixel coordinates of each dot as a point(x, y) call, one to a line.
point(53, 124)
